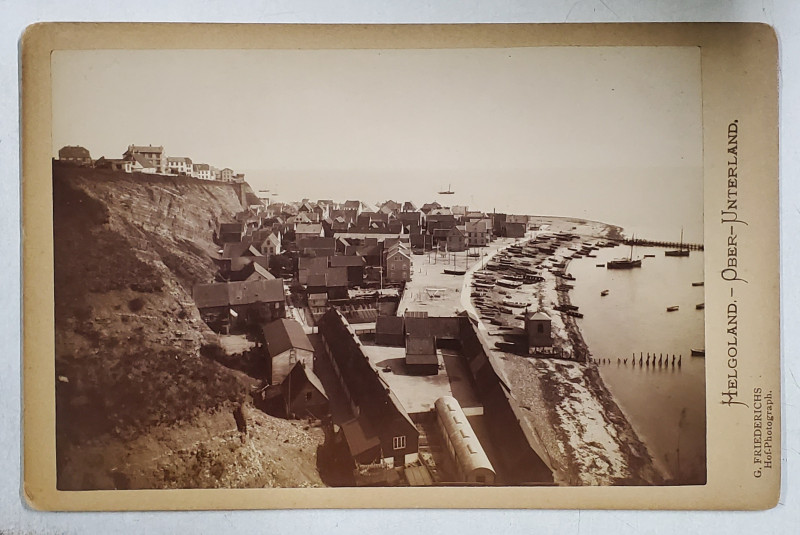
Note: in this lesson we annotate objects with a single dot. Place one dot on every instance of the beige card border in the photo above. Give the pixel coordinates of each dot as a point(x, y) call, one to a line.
point(739, 78)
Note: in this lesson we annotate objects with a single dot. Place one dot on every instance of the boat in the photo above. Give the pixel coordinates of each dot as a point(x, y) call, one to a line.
point(485, 285)
point(604, 293)
point(672, 308)
point(573, 313)
point(509, 283)
point(515, 304)
point(700, 306)
point(599, 265)
point(649, 256)
point(625, 263)
point(449, 191)
point(697, 283)
point(698, 352)
point(680, 251)
point(455, 271)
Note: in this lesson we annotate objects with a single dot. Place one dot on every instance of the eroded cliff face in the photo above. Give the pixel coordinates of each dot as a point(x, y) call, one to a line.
point(130, 369)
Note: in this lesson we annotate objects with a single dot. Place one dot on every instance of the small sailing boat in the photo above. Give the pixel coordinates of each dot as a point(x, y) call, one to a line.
point(625, 263)
point(604, 293)
point(449, 191)
point(680, 251)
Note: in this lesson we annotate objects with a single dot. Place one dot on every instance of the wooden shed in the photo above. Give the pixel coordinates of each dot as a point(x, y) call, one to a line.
point(538, 329)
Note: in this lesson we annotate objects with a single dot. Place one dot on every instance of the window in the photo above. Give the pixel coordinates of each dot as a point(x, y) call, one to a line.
point(308, 396)
point(540, 328)
point(399, 443)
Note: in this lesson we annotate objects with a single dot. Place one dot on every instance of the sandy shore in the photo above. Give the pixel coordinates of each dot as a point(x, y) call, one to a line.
point(588, 437)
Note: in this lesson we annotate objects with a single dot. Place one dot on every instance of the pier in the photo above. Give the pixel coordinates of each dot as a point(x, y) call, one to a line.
point(653, 243)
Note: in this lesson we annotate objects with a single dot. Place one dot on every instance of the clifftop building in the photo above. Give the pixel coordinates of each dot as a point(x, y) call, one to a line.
point(154, 155)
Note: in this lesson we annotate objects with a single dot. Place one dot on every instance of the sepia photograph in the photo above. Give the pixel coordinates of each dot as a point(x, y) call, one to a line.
point(379, 267)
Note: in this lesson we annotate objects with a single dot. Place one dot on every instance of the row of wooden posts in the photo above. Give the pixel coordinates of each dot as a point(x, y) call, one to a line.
point(643, 361)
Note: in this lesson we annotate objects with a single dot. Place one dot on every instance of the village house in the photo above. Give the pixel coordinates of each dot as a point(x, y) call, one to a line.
point(229, 232)
point(478, 232)
point(398, 263)
point(331, 281)
point(154, 155)
point(75, 155)
point(202, 171)
point(380, 430)
point(285, 344)
point(308, 230)
point(429, 206)
point(114, 164)
point(226, 175)
point(354, 264)
point(306, 265)
point(513, 230)
point(457, 239)
point(140, 164)
point(234, 306)
point(303, 394)
point(316, 246)
point(179, 165)
point(271, 245)
point(439, 221)
point(256, 271)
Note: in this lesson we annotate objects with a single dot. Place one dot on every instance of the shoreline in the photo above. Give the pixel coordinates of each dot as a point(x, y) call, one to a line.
point(583, 428)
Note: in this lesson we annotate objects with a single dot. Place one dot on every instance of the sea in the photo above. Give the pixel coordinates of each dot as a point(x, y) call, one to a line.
point(664, 403)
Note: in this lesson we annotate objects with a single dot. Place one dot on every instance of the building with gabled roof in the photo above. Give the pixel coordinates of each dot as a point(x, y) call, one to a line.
point(226, 306)
point(308, 230)
point(538, 330)
point(180, 165)
point(421, 355)
point(303, 394)
point(153, 155)
point(285, 344)
point(398, 263)
point(75, 155)
point(380, 429)
point(202, 171)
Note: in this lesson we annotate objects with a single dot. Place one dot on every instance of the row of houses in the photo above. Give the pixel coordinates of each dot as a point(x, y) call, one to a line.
point(150, 160)
point(432, 226)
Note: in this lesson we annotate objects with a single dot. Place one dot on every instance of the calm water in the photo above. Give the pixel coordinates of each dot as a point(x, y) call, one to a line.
point(665, 405)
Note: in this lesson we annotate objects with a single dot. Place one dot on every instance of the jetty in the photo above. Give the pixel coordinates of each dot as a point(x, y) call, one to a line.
point(655, 243)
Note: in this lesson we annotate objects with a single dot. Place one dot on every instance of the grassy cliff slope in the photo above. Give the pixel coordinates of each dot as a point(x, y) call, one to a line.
point(133, 389)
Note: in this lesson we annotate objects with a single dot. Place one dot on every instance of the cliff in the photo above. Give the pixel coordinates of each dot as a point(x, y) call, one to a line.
point(134, 387)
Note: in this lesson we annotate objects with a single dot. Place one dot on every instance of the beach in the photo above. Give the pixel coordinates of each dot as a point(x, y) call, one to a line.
point(563, 396)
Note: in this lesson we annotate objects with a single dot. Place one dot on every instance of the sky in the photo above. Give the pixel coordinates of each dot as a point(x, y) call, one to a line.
point(609, 133)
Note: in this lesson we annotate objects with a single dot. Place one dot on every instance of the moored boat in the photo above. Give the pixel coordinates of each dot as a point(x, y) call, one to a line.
point(698, 352)
point(604, 293)
point(700, 306)
point(672, 308)
point(680, 251)
point(697, 283)
point(509, 283)
point(455, 271)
